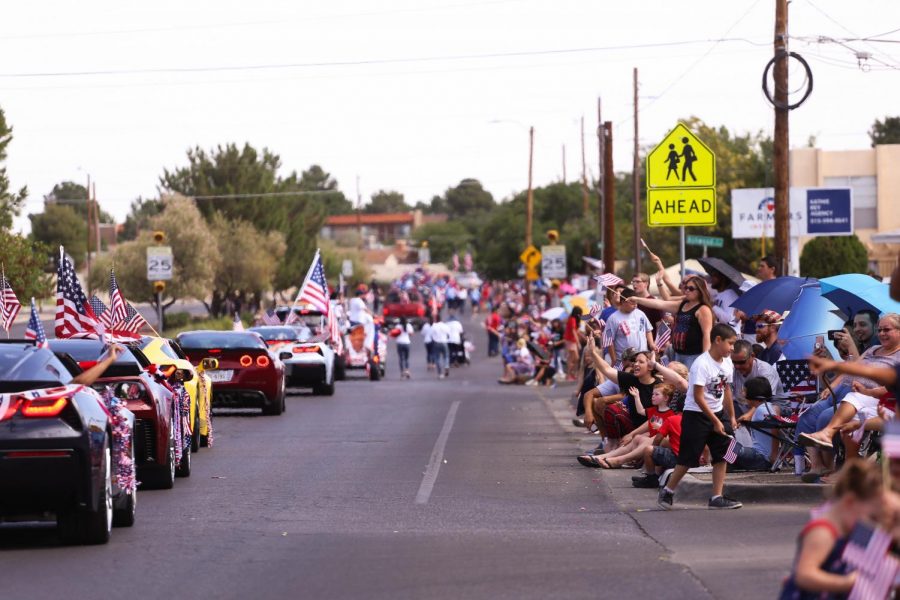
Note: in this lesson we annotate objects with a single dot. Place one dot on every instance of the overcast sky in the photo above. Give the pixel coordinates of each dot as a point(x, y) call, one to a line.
point(411, 95)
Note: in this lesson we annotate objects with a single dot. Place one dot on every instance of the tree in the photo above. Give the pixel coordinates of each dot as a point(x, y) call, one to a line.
point(195, 253)
point(248, 260)
point(25, 264)
point(74, 194)
point(387, 202)
point(444, 239)
point(139, 217)
point(333, 260)
point(10, 202)
point(315, 179)
point(885, 132)
point(59, 225)
point(826, 256)
point(468, 199)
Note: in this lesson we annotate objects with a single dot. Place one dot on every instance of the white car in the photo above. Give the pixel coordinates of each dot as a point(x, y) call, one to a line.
point(308, 359)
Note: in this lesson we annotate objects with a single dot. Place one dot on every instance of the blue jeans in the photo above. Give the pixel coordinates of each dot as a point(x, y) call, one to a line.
point(403, 357)
point(441, 357)
point(819, 414)
point(493, 344)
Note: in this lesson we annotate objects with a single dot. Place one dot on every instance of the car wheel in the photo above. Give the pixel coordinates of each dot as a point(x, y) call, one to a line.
point(195, 433)
point(277, 407)
point(163, 477)
point(94, 525)
point(374, 372)
point(340, 371)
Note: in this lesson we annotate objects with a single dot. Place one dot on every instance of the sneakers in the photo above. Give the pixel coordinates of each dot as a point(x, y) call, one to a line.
point(648, 481)
point(531, 382)
point(578, 422)
point(723, 502)
point(665, 499)
point(446, 372)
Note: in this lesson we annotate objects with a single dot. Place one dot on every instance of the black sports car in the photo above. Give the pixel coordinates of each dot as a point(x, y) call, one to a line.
point(58, 452)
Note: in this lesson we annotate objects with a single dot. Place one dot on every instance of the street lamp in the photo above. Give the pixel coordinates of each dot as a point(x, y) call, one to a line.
point(529, 204)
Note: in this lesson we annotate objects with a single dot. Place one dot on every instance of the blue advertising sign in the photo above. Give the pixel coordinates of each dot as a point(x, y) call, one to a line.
point(829, 211)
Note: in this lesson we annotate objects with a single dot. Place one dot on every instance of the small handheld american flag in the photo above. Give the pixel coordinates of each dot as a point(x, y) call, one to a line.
point(35, 330)
point(9, 304)
point(133, 322)
point(731, 453)
point(116, 300)
point(866, 550)
point(795, 376)
point(609, 280)
point(101, 311)
point(663, 335)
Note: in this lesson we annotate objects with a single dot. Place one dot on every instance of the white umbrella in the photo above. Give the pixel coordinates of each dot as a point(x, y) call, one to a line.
point(552, 314)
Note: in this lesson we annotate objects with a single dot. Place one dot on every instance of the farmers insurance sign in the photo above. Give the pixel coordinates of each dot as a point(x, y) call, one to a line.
point(813, 212)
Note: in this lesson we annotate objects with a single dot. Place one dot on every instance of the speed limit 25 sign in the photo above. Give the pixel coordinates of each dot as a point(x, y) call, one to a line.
point(159, 263)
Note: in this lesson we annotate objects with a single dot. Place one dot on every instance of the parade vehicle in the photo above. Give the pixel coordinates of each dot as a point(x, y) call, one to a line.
point(409, 304)
point(248, 374)
point(308, 359)
point(59, 452)
point(162, 351)
point(141, 385)
point(362, 356)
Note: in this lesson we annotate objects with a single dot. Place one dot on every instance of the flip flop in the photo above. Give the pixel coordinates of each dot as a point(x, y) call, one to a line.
point(604, 464)
point(807, 439)
point(589, 460)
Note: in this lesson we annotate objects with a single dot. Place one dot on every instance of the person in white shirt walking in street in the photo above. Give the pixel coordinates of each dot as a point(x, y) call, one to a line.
point(440, 337)
point(403, 343)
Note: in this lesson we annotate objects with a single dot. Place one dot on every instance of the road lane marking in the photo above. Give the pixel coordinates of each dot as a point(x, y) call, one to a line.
point(437, 457)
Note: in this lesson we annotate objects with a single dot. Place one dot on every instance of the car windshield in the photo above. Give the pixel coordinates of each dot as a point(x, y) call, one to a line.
point(226, 340)
point(276, 334)
point(163, 347)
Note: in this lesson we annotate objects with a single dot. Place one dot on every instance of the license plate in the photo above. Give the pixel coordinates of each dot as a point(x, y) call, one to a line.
point(220, 376)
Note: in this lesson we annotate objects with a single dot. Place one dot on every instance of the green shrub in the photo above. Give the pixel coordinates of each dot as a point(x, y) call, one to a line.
point(826, 256)
point(177, 319)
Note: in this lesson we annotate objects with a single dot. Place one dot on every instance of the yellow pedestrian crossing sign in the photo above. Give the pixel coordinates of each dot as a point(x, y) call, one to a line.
point(681, 160)
point(681, 181)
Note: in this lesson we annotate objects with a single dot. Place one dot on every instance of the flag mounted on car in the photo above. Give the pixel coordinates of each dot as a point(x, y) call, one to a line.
point(9, 304)
point(313, 290)
point(74, 314)
point(35, 330)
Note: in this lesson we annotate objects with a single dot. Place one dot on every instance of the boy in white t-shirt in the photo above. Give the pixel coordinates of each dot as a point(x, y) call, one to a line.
point(703, 423)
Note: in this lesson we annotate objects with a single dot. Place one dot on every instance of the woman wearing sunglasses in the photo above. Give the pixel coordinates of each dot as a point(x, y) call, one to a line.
point(693, 318)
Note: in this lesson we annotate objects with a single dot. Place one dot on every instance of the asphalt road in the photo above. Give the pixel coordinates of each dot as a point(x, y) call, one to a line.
point(459, 488)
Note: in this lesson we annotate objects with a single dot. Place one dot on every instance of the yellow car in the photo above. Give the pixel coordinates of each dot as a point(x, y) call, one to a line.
point(162, 351)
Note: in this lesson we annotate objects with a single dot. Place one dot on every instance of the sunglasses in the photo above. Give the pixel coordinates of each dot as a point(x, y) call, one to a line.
point(762, 325)
point(690, 288)
point(885, 329)
point(739, 362)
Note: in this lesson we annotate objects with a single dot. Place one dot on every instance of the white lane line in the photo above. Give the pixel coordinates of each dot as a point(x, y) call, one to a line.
point(437, 457)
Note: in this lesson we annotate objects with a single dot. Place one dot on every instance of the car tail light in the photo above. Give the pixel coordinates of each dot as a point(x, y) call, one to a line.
point(307, 349)
point(43, 407)
point(384, 311)
point(215, 351)
point(262, 360)
point(246, 360)
point(420, 310)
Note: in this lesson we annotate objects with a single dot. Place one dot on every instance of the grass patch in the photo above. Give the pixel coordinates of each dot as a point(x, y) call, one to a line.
point(219, 324)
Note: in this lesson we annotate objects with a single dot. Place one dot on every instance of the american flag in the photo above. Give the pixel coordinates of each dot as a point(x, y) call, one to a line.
point(890, 439)
point(315, 289)
point(35, 330)
point(101, 311)
point(731, 453)
point(116, 299)
point(74, 314)
point(270, 318)
point(334, 327)
point(607, 339)
point(795, 376)
point(609, 280)
point(9, 304)
point(133, 322)
point(593, 313)
point(663, 335)
point(866, 550)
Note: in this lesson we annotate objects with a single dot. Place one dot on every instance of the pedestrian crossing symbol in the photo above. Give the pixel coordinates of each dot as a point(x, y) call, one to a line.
point(681, 181)
point(681, 160)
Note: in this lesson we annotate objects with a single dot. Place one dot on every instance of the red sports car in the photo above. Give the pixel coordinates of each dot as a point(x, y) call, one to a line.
point(149, 400)
point(248, 374)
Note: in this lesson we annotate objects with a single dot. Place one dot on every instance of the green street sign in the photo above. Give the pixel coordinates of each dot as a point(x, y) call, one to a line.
point(705, 240)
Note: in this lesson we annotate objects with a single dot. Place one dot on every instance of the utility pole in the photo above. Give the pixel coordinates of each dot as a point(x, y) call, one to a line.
point(529, 210)
point(609, 195)
point(636, 183)
point(96, 216)
point(358, 214)
point(87, 191)
point(564, 163)
point(782, 139)
point(585, 210)
point(601, 179)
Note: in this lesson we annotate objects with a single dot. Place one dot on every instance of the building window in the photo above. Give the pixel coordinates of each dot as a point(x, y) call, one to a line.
point(865, 198)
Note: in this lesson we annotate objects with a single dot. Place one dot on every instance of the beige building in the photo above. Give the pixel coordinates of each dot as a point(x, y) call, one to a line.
point(874, 177)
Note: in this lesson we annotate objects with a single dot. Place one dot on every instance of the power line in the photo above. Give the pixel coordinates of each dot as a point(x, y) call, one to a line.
point(368, 62)
point(858, 54)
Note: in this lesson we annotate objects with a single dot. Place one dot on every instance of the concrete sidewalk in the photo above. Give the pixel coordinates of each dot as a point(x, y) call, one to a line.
point(748, 487)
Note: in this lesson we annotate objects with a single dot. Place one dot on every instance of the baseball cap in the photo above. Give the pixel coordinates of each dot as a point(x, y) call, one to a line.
point(629, 354)
point(771, 317)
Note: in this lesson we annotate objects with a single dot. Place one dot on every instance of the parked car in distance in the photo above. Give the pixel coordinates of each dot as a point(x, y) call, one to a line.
point(402, 303)
point(249, 376)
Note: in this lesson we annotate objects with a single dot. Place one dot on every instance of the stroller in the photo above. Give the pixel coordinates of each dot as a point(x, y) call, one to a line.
point(459, 353)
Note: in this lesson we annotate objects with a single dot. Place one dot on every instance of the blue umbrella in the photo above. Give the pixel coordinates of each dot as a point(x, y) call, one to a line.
point(811, 316)
point(775, 294)
point(855, 292)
